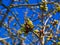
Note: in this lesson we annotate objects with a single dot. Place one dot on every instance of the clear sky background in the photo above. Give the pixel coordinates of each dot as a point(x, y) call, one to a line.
point(21, 16)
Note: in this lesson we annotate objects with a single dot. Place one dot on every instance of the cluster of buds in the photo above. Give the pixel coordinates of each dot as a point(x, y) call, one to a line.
point(58, 8)
point(40, 33)
point(29, 23)
point(54, 23)
point(50, 37)
point(58, 43)
point(44, 6)
point(28, 26)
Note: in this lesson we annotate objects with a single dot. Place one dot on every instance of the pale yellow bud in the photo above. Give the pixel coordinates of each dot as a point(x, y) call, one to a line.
point(58, 43)
point(36, 31)
point(58, 8)
point(20, 32)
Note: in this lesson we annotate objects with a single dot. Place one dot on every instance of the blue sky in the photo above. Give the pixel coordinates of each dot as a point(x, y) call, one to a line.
point(21, 15)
